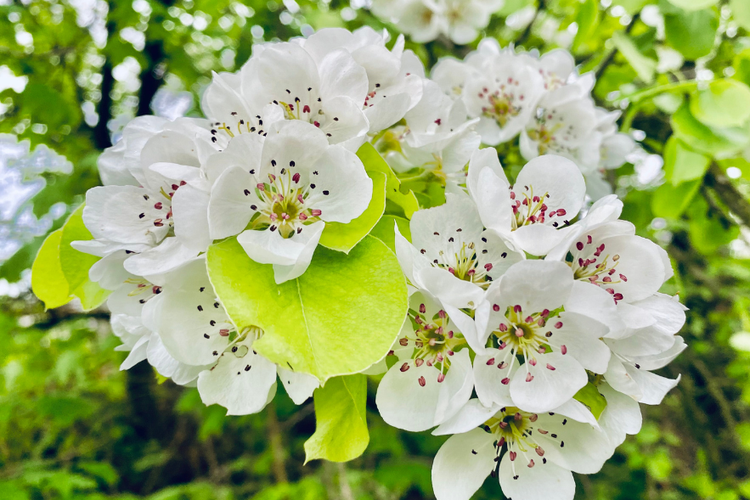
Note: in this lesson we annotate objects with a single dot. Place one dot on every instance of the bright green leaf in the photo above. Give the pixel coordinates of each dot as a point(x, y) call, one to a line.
point(669, 201)
point(589, 396)
point(340, 420)
point(47, 279)
point(717, 142)
point(681, 164)
point(75, 265)
point(690, 5)
point(741, 12)
point(374, 162)
point(643, 66)
point(587, 20)
point(344, 237)
point(338, 318)
point(385, 232)
point(692, 33)
point(725, 103)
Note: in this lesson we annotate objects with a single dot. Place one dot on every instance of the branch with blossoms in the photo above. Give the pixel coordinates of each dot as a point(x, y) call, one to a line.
point(335, 216)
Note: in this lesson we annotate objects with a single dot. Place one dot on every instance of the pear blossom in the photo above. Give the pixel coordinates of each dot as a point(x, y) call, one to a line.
point(451, 255)
point(283, 81)
point(526, 317)
point(284, 188)
point(394, 76)
point(438, 137)
point(424, 21)
point(432, 378)
point(535, 212)
point(531, 454)
point(159, 220)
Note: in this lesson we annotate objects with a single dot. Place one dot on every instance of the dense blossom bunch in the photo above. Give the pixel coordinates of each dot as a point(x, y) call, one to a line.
point(534, 318)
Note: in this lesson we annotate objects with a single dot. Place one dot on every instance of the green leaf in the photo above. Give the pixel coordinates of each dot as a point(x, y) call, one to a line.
point(385, 232)
point(717, 142)
point(344, 237)
point(691, 5)
point(587, 20)
point(691, 33)
point(374, 162)
point(670, 201)
point(644, 67)
point(741, 12)
point(338, 318)
point(725, 103)
point(340, 420)
point(75, 265)
point(681, 164)
point(47, 279)
point(590, 397)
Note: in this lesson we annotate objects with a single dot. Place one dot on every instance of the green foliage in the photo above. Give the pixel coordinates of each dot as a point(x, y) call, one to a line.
point(61, 273)
point(589, 396)
point(341, 420)
point(338, 318)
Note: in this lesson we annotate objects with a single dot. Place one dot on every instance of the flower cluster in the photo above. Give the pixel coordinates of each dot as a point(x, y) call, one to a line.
point(541, 318)
point(545, 310)
point(426, 20)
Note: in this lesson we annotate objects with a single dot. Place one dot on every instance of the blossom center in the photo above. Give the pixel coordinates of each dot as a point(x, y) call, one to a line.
point(501, 103)
point(284, 204)
point(593, 264)
point(530, 208)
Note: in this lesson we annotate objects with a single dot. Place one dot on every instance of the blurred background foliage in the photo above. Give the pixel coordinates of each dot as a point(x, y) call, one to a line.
point(73, 72)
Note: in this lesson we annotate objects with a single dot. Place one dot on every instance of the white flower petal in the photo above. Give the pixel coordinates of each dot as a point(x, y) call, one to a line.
point(547, 388)
point(462, 464)
point(541, 482)
point(299, 386)
point(240, 384)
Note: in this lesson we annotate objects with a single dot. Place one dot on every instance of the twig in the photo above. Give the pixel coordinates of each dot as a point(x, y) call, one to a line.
point(277, 445)
point(717, 180)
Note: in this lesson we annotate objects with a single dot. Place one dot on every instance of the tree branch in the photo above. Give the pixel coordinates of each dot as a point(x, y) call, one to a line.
point(720, 184)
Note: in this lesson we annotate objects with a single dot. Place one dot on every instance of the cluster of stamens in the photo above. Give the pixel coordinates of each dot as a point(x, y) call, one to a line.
point(502, 105)
point(145, 289)
point(524, 336)
point(164, 207)
point(532, 209)
point(434, 342)
point(249, 126)
point(283, 203)
point(514, 430)
point(597, 269)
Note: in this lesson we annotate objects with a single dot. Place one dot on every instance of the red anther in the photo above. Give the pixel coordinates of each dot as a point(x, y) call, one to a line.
point(564, 349)
point(306, 109)
point(404, 367)
point(505, 381)
point(531, 464)
point(450, 334)
point(535, 199)
point(302, 216)
point(296, 177)
point(442, 314)
point(529, 377)
point(534, 417)
point(503, 327)
point(550, 367)
point(438, 121)
point(617, 297)
point(440, 378)
point(517, 308)
point(561, 211)
point(512, 195)
point(589, 240)
point(182, 183)
point(540, 322)
point(532, 362)
point(545, 313)
point(512, 456)
point(260, 186)
point(422, 308)
point(175, 187)
point(539, 451)
point(502, 365)
point(495, 307)
point(519, 333)
point(623, 277)
point(490, 361)
point(579, 246)
point(501, 442)
point(403, 342)
point(517, 417)
point(315, 212)
point(559, 324)
point(422, 381)
point(317, 124)
point(158, 205)
point(529, 319)
point(419, 362)
point(224, 332)
point(607, 279)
